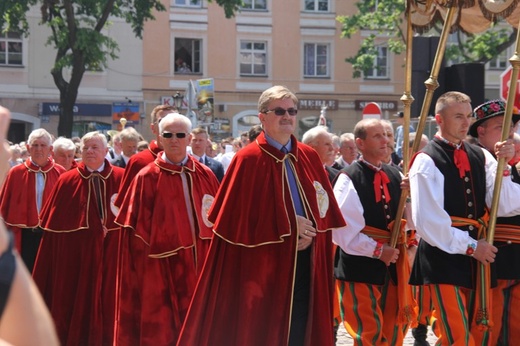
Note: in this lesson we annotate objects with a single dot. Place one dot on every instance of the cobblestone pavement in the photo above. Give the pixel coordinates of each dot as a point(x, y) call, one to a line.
point(345, 340)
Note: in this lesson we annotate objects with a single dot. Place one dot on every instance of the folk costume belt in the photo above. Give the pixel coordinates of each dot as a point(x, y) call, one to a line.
point(482, 312)
point(406, 302)
point(507, 233)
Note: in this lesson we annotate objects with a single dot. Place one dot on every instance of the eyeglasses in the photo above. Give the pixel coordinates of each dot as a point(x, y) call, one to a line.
point(179, 135)
point(281, 111)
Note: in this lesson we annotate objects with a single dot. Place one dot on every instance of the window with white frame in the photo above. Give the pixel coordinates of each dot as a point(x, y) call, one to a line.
point(253, 58)
point(381, 68)
point(500, 62)
point(11, 46)
point(316, 60)
point(317, 5)
point(188, 3)
point(188, 55)
point(254, 5)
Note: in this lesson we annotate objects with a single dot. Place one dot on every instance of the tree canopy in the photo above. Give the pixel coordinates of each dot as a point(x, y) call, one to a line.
point(386, 19)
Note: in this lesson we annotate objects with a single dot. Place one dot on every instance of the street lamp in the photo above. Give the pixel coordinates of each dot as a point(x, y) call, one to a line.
point(177, 100)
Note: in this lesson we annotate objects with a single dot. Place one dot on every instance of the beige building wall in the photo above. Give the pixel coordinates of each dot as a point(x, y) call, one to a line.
point(285, 27)
point(23, 88)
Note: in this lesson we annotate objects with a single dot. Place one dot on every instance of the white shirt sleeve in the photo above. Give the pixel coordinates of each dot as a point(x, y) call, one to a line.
point(508, 203)
point(349, 238)
point(432, 222)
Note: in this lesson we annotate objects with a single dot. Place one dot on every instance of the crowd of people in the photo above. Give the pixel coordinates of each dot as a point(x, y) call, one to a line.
point(264, 239)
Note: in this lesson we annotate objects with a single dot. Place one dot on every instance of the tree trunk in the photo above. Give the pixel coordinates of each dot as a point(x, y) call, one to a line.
point(67, 102)
point(68, 92)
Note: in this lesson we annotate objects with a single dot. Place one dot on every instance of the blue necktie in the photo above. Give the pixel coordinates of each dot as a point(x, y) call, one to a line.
point(298, 206)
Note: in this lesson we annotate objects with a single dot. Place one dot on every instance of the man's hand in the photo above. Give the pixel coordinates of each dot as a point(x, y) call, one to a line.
point(505, 149)
point(306, 232)
point(405, 183)
point(389, 254)
point(485, 252)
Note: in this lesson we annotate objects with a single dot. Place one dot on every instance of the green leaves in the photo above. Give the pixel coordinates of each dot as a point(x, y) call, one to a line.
point(380, 21)
point(383, 22)
point(12, 15)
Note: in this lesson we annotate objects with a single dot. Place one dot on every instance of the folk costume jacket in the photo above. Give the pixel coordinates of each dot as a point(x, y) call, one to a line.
point(441, 257)
point(358, 268)
point(244, 294)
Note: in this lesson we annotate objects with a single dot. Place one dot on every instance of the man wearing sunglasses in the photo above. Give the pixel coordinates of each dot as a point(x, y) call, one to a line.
point(164, 220)
point(271, 257)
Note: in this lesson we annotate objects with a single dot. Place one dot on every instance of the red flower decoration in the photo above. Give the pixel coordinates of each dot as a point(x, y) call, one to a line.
point(495, 107)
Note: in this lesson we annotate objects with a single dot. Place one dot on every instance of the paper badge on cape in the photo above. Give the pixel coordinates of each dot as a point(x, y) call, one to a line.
point(207, 201)
point(322, 198)
point(113, 208)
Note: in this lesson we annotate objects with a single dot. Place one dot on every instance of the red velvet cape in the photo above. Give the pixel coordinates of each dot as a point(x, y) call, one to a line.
point(134, 165)
point(76, 266)
point(244, 294)
point(162, 258)
point(18, 196)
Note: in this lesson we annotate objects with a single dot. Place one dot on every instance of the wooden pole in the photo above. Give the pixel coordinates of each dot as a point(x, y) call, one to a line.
point(506, 125)
point(431, 84)
point(483, 316)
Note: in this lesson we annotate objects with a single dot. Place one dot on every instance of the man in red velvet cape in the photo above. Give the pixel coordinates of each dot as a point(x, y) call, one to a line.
point(19, 202)
point(76, 267)
point(142, 158)
point(268, 276)
point(165, 210)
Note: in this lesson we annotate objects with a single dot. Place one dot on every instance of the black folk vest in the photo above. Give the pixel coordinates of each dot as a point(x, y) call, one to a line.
point(463, 197)
point(360, 268)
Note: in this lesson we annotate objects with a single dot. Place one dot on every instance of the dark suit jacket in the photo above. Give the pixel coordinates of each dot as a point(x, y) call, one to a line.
point(119, 162)
point(332, 173)
point(215, 166)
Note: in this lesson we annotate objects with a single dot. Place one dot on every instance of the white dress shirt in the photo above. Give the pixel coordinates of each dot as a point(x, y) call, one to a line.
point(432, 222)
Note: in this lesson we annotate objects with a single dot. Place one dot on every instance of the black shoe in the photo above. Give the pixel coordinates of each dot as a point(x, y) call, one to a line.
point(419, 334)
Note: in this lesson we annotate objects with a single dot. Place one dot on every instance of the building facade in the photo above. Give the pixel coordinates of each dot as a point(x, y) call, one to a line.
point(27, 87)
point(295, 43)
point(192, 49)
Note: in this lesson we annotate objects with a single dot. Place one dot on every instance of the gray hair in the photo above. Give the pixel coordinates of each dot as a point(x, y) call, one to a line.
point(40, 134)
point(311, 135)
point(64, 144)
point(94, 135)
point(129, 134)
point(348, 136)
point(172, 118)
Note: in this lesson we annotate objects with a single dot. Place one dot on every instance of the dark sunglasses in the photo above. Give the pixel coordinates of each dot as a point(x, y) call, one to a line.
point(281, 111)
point(179, 135)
